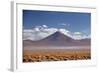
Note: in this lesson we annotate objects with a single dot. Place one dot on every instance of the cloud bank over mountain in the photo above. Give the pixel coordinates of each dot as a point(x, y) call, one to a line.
point(40, 32)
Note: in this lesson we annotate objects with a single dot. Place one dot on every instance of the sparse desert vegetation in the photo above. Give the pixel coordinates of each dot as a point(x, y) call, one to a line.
point(55, 55)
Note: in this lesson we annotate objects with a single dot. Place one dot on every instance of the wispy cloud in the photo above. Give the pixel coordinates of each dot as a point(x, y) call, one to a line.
point(77, 33)
point(45, 26)
point(64, 24)
point(40, 32)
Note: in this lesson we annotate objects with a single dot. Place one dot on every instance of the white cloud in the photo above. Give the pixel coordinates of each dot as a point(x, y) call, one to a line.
point(50, 30)
point(40, 32)
point(45, 26)
point(66, 32)
point(64, 24)
point(77, 33)
point(36, 29)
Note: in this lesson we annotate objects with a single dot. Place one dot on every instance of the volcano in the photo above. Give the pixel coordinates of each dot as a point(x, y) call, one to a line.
point(57, 39)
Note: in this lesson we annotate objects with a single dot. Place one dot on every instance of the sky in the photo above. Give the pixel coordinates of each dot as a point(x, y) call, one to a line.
point(73, 22)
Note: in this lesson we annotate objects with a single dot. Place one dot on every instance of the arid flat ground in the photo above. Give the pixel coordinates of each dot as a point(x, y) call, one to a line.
point(40, 55)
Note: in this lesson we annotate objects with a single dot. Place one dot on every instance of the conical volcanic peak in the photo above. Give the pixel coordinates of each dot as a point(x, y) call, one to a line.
point(58, 36)
point(58, 39)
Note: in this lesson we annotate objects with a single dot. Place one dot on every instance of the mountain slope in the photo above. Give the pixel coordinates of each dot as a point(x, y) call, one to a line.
point(57, 39)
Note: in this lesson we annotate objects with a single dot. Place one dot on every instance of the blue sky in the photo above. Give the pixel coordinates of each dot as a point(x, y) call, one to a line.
point(73, 21)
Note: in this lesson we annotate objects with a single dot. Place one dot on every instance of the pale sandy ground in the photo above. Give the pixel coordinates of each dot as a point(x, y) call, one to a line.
point(38, 54)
